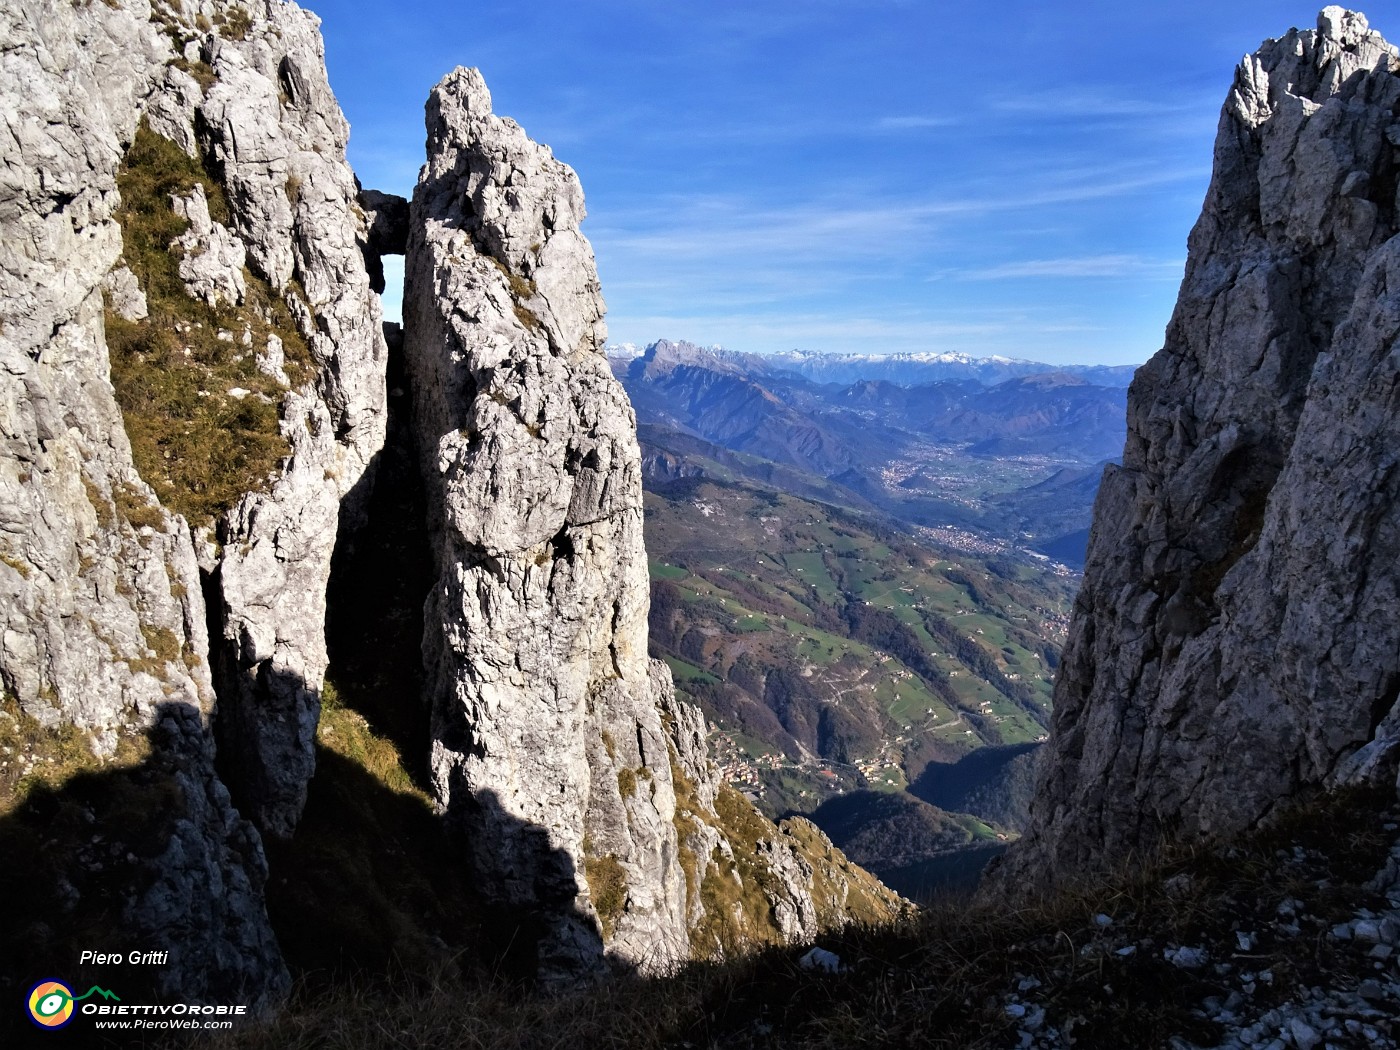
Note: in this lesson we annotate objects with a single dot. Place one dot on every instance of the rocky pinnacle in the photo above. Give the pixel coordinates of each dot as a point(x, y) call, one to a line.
point(548, 746)
point(180, 226)
point(1235, 643)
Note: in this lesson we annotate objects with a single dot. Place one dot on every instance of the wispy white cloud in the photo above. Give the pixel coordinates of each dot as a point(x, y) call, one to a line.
point(764, 130)
point(756, 234)
point(913, 123)
point(1093, 104)
point(1088, 266)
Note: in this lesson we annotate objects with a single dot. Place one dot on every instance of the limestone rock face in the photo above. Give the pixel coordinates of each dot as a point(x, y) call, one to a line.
point(211, 258)
point(272, 128)
point(386, 217)
point(179, 231)
point(102, 590)
point(536, 642)
point(99, 588)
point(558, 746)
point(1235, 642)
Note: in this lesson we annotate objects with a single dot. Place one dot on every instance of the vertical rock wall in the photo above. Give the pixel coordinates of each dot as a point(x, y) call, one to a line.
point(1235, 643)
point(581, 783)
point(104, 643)
point(272, 129)
point(181, 231)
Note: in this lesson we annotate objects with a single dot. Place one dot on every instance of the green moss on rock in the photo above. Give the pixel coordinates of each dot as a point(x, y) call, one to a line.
point(738, 890)
point(607, 888)
point(198, 444)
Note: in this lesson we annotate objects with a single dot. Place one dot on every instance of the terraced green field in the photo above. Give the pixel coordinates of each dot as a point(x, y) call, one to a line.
point(833, 653)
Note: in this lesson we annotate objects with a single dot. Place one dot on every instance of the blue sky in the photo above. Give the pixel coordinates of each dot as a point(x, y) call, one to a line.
point(846, 175)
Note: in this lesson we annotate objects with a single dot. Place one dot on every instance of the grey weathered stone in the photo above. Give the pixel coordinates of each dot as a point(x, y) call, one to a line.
point(558, 746)
point(272, 361)
point(536, 638)
point(211, 258)
point(84, 590)
point(275, 133)
point(124, 295)
point(86, 595)
point(386, 217)
point(555, 736)
point(1235, 643)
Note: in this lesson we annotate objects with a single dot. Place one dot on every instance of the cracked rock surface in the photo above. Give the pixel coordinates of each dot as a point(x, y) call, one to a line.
point(274, 131)
point(558, 746)
point(1235, 642)
point(543, 708)
point(133, 640)
point(104, 627)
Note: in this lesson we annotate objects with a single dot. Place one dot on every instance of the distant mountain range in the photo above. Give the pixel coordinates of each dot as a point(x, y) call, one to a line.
point(876, 682)
point(900, 369)
point(1000, 447)
point(852, 574)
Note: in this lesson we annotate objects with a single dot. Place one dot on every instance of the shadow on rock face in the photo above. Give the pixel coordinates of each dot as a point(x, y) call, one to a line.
point(371, 817)
point(381, 572)
point(137, 860)
point(537, 927)
point(151, 853)
point(376, 883)
point(132, 861)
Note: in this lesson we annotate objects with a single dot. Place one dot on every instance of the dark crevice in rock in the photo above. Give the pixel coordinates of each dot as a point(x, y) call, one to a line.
point(562, 545)
point(292, 82)
point(380, 574)
point(1383, 704)
point(228, 746)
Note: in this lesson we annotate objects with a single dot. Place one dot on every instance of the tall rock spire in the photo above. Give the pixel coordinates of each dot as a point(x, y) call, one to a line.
point(548, 746)
point(192, 402)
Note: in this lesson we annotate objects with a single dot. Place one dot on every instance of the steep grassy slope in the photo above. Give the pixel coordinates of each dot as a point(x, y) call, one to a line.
point(201, 416)
point(833, 638)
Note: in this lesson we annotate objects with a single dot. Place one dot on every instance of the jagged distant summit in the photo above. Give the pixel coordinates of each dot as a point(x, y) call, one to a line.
point(904, 369)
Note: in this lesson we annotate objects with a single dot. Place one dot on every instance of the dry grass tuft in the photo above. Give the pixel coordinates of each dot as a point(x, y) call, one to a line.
point(235, 25)
point(607, 888)
point(39, 759)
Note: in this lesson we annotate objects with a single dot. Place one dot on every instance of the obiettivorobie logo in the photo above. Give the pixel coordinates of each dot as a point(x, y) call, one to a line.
point(51, 1002)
